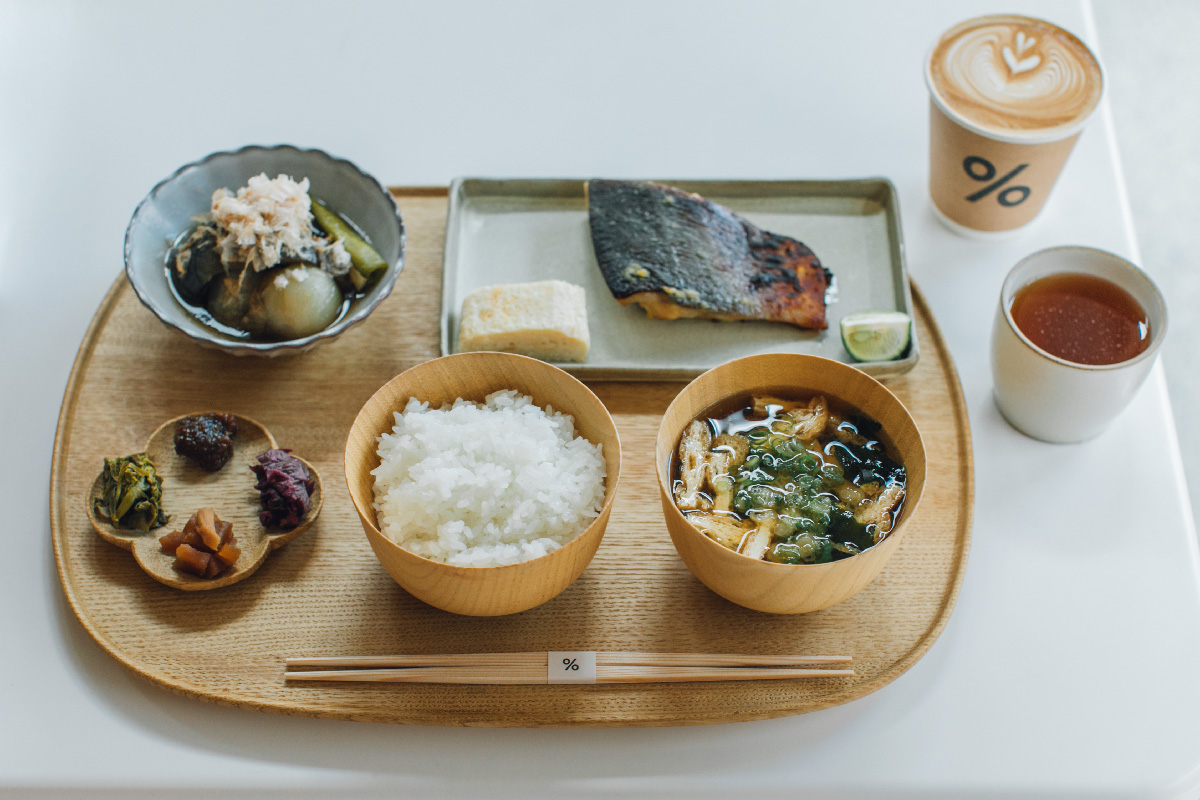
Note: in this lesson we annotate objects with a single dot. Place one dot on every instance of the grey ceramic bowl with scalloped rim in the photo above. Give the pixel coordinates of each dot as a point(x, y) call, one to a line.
point(171, 206)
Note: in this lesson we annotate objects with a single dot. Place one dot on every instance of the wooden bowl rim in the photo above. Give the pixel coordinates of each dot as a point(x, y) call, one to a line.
point(737, 561)
point(368, 518)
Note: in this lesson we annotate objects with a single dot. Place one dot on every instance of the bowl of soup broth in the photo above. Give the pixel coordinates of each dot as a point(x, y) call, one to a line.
point(787, 480)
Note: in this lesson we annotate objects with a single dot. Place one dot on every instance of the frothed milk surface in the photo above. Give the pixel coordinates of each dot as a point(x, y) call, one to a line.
point(1015, 76)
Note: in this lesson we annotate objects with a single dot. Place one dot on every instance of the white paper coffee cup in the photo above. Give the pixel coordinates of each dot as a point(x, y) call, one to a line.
point(1009, 96)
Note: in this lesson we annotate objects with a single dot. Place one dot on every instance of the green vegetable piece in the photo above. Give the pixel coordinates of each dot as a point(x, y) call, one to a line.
point(844, 549)
point(786, 553)
point(367, 262)
point(808, 483)
point(806, 549)
point(788, 448)
point(131, 493)
point(832, 476)
point(758, 434)
point(818, 509)
point(843, 527)
point(785, 525)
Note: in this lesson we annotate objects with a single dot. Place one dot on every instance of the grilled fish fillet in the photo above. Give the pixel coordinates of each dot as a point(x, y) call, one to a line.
point(678, 255)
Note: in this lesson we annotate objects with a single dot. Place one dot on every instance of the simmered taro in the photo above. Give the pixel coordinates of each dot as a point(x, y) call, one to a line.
point(205, 547)
point(270, 262)
point(285, 486)
point(794, 482)
point(131, 493)
point(207, 439)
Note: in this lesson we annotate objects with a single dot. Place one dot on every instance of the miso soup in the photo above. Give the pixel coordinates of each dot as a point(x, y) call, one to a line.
point(788, 480)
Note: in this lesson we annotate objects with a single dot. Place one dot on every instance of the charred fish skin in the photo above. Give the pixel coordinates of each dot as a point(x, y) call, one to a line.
point(647, 237)
point(681, 255)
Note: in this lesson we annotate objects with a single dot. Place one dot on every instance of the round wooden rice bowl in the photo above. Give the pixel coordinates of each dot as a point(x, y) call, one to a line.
point(481, 591)
point(763, 585)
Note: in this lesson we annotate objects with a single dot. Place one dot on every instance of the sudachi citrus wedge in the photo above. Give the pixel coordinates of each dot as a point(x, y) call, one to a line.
point(876, 335)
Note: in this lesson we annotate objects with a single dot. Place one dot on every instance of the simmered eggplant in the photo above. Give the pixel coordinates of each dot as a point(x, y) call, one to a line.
point(261, 264)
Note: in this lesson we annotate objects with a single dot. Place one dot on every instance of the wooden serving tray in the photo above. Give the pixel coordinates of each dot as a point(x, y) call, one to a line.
point(325, 593)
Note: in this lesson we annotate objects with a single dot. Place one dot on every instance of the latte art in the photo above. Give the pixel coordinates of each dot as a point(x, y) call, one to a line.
point(1015, 75)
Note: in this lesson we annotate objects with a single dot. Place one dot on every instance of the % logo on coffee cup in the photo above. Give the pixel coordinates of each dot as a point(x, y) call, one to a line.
point(980, 169)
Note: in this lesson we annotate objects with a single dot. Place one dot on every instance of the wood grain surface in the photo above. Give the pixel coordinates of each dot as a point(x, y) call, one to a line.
point(326, 594)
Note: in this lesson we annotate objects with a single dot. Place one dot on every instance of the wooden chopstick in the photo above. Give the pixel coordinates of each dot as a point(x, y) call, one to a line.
point(536, 674)
point(534, 668)
point(538, 659)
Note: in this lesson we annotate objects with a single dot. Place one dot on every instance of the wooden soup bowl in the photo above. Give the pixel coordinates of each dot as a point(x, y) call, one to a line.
point(481, 591)
point(763, 585)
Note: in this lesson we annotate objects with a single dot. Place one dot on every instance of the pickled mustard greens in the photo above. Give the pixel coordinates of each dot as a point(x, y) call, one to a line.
point(131, 493)
point(789, 482)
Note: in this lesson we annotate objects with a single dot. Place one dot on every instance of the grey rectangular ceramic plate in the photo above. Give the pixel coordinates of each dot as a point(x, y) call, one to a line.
point(510, 231)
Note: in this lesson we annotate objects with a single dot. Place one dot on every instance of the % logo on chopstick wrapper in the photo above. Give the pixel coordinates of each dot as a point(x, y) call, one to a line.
point(577, 666)
point(980, 169)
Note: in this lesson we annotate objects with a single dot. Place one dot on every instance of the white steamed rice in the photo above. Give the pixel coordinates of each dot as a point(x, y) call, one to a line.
point(486, 485)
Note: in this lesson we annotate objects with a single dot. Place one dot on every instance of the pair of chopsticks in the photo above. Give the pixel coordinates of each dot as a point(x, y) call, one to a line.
point(540, 668)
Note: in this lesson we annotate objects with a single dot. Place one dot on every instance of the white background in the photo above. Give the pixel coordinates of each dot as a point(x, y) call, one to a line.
point(1068, 668)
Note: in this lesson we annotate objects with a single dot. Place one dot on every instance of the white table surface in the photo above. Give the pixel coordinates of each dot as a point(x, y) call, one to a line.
point(1069, 667)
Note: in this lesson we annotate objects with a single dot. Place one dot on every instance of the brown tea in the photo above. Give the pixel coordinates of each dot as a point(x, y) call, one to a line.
point(1081, 318)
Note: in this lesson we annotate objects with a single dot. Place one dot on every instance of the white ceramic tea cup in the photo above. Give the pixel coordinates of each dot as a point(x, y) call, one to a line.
point(1056, 400)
